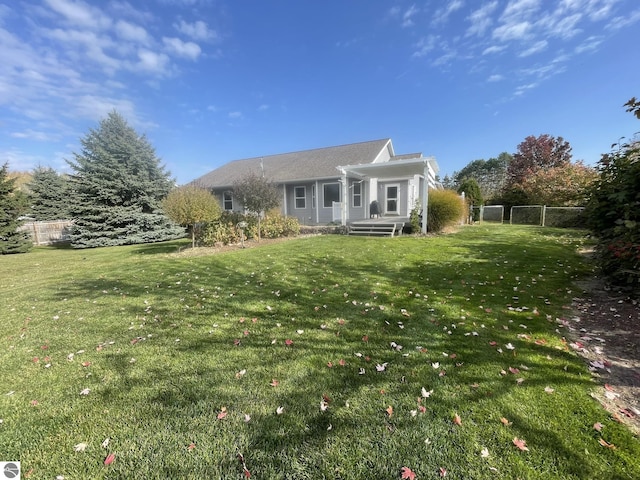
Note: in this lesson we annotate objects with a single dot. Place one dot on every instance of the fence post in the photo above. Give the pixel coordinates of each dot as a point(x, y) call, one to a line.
point(544, 214)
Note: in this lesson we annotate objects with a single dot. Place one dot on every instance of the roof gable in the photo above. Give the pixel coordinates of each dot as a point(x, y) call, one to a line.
point(313, 164)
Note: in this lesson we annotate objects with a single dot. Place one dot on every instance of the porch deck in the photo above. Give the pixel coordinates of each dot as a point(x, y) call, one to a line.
point(385, 226)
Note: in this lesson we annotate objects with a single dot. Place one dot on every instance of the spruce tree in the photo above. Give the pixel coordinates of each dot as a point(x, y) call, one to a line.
point(118, 186)
point(49, 195)
point(13, 204)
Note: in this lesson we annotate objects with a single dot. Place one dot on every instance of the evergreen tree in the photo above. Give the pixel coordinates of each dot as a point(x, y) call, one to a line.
point(49, 195)
point(12, 205)
point(118, 186)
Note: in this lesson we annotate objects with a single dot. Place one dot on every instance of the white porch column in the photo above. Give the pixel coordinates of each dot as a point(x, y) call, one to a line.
point(344, 197)
point(425, 197)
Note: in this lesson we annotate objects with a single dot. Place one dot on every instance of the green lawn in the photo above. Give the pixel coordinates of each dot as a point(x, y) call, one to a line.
point(184, 363)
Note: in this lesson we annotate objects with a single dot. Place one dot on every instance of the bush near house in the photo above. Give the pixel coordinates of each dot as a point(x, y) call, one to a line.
point(226, 230)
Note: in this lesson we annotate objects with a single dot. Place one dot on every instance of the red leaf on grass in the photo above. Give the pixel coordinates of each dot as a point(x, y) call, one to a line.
point(608, 387)
point(288, 342)
point(110, 458)
point(521, 444)
point(365, 338)
point(191, 446)
point(407, 473)
point(223, 413)
point(597, 426)
point(443, 472)
point(274, 383)
point(457, 420)
point(514, 370)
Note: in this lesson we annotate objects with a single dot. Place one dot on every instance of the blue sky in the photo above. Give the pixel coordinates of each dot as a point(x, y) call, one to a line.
point(209, 81)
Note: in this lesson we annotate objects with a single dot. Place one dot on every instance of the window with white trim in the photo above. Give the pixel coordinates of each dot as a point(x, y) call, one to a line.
point(330, 194)
point(356, 194)
point(313, 196)
point(227, 200)
point(300, 197)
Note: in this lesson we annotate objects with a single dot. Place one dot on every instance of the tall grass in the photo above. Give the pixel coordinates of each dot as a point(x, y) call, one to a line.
point(326, 357)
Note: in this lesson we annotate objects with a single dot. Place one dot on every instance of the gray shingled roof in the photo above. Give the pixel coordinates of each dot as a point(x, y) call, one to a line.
point(314, 164)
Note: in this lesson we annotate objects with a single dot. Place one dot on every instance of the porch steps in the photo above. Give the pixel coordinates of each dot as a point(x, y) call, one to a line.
point(378, 229)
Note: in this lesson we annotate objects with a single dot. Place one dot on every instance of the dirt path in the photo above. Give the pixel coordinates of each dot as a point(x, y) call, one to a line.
point(604, 329)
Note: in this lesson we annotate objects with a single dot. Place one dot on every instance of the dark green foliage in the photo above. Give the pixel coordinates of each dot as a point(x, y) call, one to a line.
point(445, 208)
point(613, 213)
point(471, 190)
point(489, 174)
point(415, 217)
point(49, 195)
point(13, 204)
point(118, 187)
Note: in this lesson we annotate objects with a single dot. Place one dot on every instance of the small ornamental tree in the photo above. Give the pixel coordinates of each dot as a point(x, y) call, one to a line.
point(48, 195)
point(190, 205)
point(613, 211)
point(13, 204)
point(118, 186)
point(257, 194)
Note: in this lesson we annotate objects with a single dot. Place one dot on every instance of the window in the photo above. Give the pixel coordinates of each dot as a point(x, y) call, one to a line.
point(227, 200)
point(357, 194)
point(330, 193)
point(300, 197)
point(313, 196)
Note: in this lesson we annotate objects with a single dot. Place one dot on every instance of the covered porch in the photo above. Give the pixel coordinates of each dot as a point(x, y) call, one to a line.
point(406, 182)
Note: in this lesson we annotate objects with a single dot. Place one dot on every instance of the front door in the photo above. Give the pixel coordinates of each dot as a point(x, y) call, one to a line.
point(392, 199)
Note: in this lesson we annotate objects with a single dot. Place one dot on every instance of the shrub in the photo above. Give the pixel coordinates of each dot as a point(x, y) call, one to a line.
point(226, 230)
point(445, 208)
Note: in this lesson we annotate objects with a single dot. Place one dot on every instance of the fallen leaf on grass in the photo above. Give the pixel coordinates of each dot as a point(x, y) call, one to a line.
point(80, 447)
point(85, 391)
point(549, 390)
point(457, 420)
point(520, 444)
point(223, 413)
point(110, 458)
point(279, 410)
point(505, 422)
point(484, 453)
point(426, 393)
point(407, 473)
point(288, 342)
point(105, 443)
point(274, 383)
point(606, 444)
point(191, 446)
point(443, 472)
point(389, 410)
point(597, 426)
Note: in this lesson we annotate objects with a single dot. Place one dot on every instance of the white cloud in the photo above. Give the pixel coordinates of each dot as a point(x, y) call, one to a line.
point(535, 48)
point(518, 10)
point(589, 44)
point(263, 107)
point(235, 115)
point(152, 62)
point(442, 14)
point(425, 45)
point(495, 78)
point(197, 30)
point(512, 31)
point(481, 19)
point(131, 32)
point(183, 49)
point(407, 20)
point(35, 135)
point(79, 13)
point(494, 49)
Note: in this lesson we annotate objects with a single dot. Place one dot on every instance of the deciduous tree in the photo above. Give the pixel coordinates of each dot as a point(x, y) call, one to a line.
point(190, 205)
point(118, 185)
point(257, 195)
point(534, 153)
point(562, 186)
